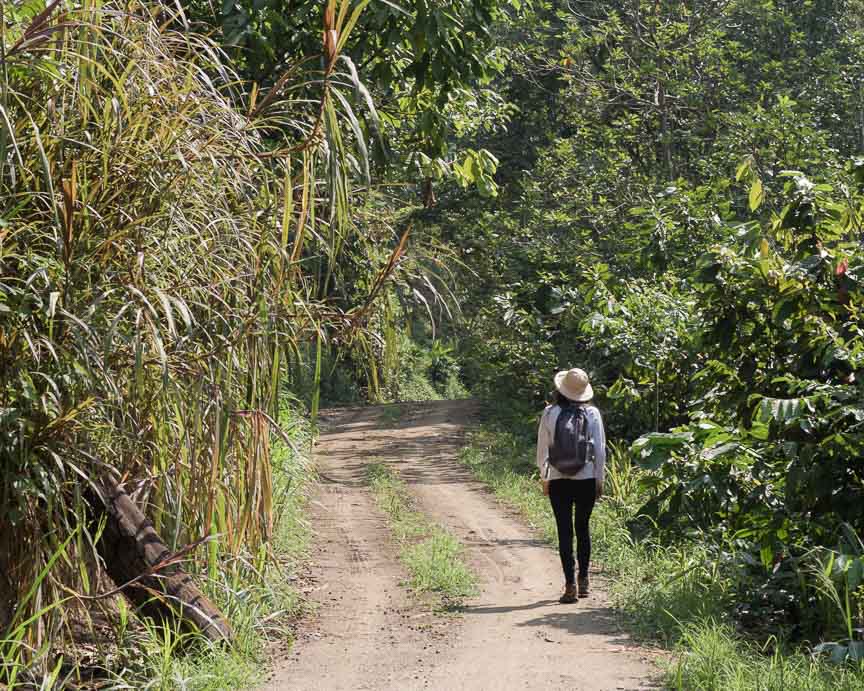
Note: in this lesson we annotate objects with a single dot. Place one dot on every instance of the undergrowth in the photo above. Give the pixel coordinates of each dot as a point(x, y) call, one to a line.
point(712, 658)
point(426, 372)
point(433, 557)
point(254, 592)
point(679, 595)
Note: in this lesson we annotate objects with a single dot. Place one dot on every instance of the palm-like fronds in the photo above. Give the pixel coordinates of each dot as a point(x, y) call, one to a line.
point(167, 247)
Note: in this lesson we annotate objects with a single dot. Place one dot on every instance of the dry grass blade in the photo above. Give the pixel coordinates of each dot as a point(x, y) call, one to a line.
point(159, 272)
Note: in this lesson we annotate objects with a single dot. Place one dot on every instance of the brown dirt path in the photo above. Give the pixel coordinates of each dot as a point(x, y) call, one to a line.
point(369, 634)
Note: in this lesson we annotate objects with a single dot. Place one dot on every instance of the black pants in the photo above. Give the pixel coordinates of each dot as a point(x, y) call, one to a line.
point(567, 495)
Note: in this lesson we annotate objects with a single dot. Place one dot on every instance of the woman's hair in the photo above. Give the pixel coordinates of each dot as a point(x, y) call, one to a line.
point(560, 399)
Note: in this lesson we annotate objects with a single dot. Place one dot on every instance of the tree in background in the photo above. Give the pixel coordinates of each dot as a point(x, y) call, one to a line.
point(678, 212)
point(424, 65)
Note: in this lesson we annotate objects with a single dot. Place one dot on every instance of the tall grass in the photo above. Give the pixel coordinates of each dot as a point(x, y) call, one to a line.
point(170, 242)
point(256, 593)
point(712, 658)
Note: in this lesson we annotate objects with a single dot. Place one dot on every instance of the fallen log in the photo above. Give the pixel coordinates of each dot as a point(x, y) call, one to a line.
point(143, 568)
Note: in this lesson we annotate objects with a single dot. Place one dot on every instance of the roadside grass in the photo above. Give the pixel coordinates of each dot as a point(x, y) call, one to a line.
point(677, 596)
point(252, 590)
point(433, 557)
point(711, 658)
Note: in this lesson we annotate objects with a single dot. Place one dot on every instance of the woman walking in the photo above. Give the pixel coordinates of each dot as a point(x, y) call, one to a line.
point(571, 456)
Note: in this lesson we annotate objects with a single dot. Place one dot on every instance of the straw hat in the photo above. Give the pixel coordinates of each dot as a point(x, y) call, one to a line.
point(574, 384)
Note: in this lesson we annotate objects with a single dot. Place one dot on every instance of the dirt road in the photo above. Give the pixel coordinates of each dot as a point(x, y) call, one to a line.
point(368, 633)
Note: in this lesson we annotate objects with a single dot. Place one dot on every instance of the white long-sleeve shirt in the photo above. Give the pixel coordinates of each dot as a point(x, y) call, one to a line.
point(546, 435)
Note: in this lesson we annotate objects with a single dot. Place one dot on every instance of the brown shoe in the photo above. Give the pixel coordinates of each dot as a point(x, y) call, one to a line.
point(583, 586)
point(569, 595)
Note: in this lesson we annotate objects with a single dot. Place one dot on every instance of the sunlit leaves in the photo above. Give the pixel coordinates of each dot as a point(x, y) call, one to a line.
point(169, 246)
point(471, 167)
point(757, 194)
point(654, 448)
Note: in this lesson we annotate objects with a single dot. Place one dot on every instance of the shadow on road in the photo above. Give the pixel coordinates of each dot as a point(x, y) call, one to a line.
point(500, 609)
point(581, 620)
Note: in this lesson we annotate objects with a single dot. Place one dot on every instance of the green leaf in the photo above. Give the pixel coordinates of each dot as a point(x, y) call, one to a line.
point(855, 574)
point(782, 410)
point(663, 440)
point(757, 194)
point(784, 309)
point(655, 448)
point(721, 450)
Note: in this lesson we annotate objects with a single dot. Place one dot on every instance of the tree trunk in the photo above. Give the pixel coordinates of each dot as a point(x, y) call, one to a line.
point(134, 554)
point(428, 193)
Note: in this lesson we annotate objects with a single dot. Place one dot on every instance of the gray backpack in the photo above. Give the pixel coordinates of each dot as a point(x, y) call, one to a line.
point(571, 448)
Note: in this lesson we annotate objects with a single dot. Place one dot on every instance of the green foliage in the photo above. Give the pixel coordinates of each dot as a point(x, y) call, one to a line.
point(422, 61)
point(663, 192)
point(712, 658)
point(437, 565)
point(425, 373)
point(254, 591)
point(475, 168)
point(619, 162)
point(771, 454)
point(679, 213)
point(173, 250)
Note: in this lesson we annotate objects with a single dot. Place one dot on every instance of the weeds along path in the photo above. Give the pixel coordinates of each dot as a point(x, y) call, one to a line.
point(370, 634)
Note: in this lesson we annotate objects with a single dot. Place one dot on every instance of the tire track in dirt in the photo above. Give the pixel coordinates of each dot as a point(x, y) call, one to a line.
point(365, 632)
point(514, 635)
